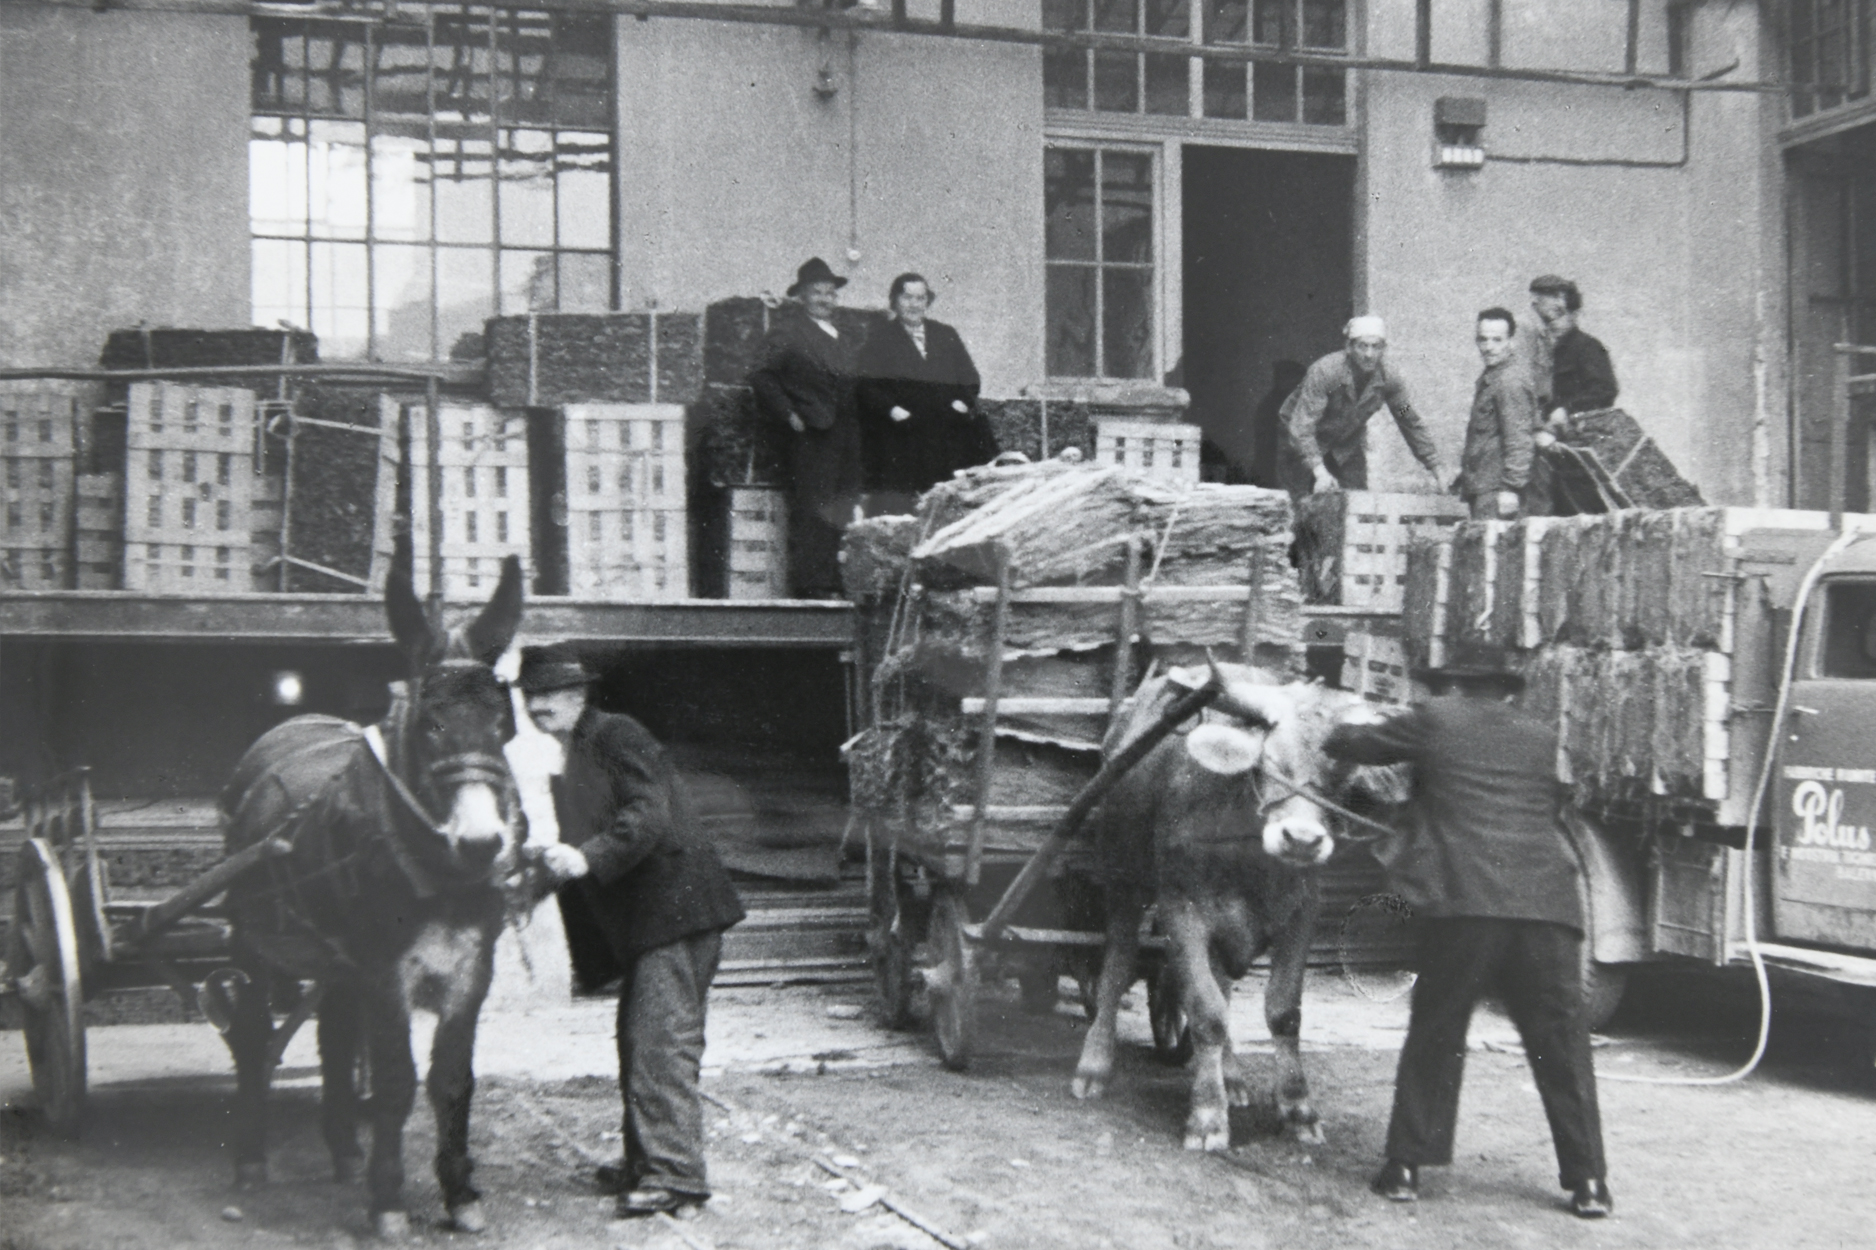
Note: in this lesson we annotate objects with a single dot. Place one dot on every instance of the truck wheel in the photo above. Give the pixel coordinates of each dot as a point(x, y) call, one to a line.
point(1603, 986)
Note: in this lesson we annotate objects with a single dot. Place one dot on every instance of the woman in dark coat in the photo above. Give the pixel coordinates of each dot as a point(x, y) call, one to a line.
point(806, 383)
point(918, 401)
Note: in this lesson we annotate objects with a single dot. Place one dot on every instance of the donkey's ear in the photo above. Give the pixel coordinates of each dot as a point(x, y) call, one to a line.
point(409, 625)
point(490, 633)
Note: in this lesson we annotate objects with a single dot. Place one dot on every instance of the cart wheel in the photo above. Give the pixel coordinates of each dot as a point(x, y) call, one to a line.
point(1172, 1037)
point(952, 981)
point(45, 967)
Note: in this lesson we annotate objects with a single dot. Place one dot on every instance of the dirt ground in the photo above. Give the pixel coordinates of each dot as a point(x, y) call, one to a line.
point(810, 1103)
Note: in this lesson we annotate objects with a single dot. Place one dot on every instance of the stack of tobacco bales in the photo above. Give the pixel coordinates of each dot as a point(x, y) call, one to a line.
point(1210, 560)
point(341, 490)
point(1637, 633)
point(1605, 461)
point(546, 360)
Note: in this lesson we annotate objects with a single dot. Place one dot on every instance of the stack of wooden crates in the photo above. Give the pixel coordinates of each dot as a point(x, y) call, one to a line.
point(484, 501)
point(626, 518)
point(38, 427)
point(193, 494)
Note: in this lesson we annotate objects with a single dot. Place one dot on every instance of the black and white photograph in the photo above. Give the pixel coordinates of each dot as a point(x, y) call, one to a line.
point(937, 624)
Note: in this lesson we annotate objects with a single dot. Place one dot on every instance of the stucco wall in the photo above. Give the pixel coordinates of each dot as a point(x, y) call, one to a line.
point(123, 177)
point(927, 156)
point(1589, 182)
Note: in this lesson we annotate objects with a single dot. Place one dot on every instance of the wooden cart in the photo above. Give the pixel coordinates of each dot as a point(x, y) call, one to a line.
point(70, 940)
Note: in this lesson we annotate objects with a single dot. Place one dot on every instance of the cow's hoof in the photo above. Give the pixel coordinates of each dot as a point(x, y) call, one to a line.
point(391, 1226)
point(1309, 1132)
point(1208, 1131)
point(1238, 1091)
point(347, 1168)
point(1088, 1086)
point(467, 1218)
point(250, 1175)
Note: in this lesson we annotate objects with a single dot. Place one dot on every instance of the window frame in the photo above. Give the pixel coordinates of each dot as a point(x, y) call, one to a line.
point(1807, 55)
point(497, 117)
point(1165, 244)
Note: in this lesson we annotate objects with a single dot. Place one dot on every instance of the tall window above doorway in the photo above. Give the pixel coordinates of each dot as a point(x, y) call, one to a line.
point(1828, 45)
point(1099, 248)
point(1172, 85)
point(410, 178)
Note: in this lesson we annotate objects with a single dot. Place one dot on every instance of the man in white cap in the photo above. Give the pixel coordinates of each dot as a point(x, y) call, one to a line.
point(1325, 420)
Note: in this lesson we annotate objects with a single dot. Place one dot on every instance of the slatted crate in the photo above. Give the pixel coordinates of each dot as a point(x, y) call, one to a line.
point(1167, 450)
point(757, 541)
point(38, 428)
point(191, 482)
point(1374, 666)
point(98, 531)
point(484, 463)
point(627, 531)
point(1352, 545)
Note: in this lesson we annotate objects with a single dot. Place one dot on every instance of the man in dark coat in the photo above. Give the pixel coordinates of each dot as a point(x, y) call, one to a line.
point(918, 401)
point(645, 903)
point(1325, 420)
point(806, 383)
point(1571, 372)
point(1493, 878)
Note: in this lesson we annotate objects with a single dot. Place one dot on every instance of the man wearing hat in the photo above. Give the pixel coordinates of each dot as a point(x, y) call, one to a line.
point(1493, 879)
point(1571, 369)
point(806, 382)
point(1325, 420)
point(645, 902)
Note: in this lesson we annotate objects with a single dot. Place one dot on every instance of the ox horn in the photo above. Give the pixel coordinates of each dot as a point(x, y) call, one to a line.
point(1256, 705)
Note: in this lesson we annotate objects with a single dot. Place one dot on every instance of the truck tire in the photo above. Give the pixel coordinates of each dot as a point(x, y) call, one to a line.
point(1603, 986)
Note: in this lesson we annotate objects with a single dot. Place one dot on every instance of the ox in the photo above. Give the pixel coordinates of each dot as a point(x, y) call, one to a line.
point(1213, 829)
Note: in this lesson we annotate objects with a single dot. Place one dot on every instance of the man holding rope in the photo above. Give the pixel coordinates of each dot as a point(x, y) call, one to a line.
point(1489, 869)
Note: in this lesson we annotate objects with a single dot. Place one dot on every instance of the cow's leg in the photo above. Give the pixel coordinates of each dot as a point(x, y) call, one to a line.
point(393, 1090)
point(1117, 969)
point(1208, 1125)
point(1283, 1012)
point(250, 1036)
point(339, 1018)
point(1237, 1080)
point(451, 1083)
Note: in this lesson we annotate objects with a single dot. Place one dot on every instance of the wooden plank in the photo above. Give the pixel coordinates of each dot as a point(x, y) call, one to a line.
point(1041, 705)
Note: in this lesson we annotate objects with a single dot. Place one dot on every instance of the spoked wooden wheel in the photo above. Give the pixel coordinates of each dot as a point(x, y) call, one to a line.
point(46, 970)
point(952, 981)
point(1172, 1036)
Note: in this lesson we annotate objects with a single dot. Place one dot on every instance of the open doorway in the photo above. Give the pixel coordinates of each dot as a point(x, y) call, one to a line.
point(1268, 273)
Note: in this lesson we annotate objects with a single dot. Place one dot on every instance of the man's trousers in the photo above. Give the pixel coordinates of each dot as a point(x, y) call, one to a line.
point(1535, 967)
point(661, 1040)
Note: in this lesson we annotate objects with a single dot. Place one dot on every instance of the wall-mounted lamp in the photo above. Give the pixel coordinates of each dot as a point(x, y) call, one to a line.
point(1458, 132)
point(286, 688)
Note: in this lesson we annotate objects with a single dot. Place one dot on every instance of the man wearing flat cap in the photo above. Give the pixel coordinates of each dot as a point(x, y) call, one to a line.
point(1325, 420)
point(645, 902)
point(1571, 369)
point(1493, 879)
point(806, 383)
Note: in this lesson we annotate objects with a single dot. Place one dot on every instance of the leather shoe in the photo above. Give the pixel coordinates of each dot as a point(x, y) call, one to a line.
point(1397, 1182)
point(651, 1201)
point(1590, 1200)
point(612, 1177)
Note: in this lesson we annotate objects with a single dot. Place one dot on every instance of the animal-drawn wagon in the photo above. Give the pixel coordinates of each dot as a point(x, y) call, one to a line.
point(369, 870)
point(1003, 634)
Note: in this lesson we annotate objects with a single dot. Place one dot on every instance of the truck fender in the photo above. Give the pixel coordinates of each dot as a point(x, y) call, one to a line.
point(1615, 891)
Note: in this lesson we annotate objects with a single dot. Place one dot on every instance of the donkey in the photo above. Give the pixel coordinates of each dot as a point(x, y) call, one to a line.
point(387, 906)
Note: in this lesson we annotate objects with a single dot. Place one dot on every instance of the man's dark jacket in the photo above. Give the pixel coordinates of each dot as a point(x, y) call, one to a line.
point(1581, 377)
point(653, 877)
point(807, 371)
point(1489, 841)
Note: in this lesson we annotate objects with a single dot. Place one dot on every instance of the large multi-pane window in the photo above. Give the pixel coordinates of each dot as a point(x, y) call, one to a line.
point(1828, 46)
point(410, 178)
point(1099, 248)
point(1172, 85)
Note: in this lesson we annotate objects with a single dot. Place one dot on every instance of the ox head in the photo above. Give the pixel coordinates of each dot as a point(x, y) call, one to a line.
point(1274, 734)
point(457, 716)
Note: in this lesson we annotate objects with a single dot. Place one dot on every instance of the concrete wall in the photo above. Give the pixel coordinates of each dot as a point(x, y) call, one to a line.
point(927, 156)
point(1667, 221)
point(123, 177)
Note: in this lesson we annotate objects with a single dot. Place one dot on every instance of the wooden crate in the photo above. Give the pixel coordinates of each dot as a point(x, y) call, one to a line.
point(38, 429)
point(484, 463)
point(1166, 450)
point(191, 482)
point(1352, 545)
point(1374, 666)
point(98, 531)
point(757, 541)
point(627, 533)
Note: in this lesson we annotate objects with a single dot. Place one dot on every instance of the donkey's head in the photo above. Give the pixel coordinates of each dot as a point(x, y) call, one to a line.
point(449, 747)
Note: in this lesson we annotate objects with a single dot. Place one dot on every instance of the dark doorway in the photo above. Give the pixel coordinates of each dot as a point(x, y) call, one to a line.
point(1832, 213)
point(1268, 277)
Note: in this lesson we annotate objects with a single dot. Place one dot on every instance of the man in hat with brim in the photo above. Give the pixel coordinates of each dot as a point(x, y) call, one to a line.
point(1490, 872)
point(645, 902)
point(806, 382)
point(1325, 420)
